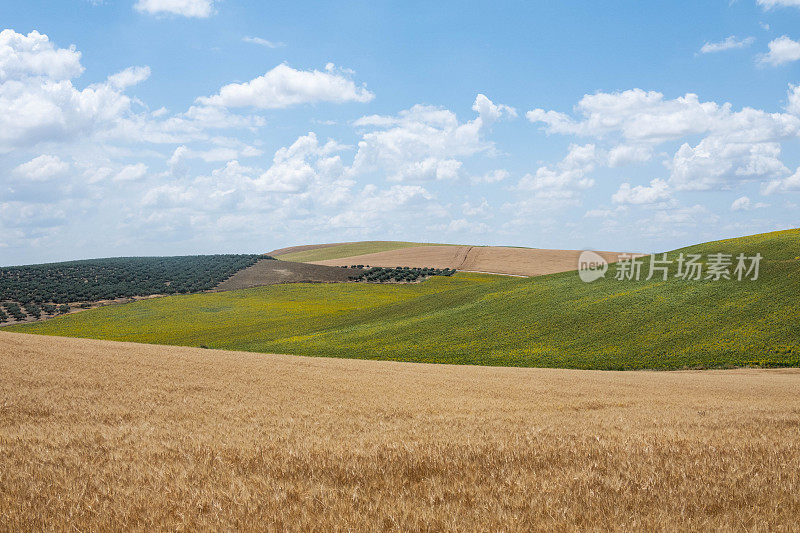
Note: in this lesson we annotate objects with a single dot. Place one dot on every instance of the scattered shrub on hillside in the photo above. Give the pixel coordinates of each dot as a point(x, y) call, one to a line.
point(63, 309)
point(33, 310)
point(49, 309)
point(399, 274)
point(15, 311)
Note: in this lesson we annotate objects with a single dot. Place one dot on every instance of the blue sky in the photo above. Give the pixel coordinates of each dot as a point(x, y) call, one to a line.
point(151, 127)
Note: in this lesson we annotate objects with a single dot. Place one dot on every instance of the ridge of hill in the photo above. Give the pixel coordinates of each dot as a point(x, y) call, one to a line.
point(321, 252)
point(303, 248)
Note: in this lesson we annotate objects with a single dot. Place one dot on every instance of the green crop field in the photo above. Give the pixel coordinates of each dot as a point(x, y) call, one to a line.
point(549, 321)
point(348, 250)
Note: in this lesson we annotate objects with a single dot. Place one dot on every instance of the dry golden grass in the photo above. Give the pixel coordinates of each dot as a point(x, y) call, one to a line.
point(98, 435)
point(496, 259)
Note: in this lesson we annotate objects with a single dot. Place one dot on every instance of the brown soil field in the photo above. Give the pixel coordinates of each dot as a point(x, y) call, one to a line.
point(303, 248)
point(270, 272)
point(494, 259)
point(101, 436)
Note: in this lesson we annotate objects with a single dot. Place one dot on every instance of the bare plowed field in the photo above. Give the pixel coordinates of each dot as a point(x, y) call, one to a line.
point(270, 272)
point(497, 259)
point(101, 436)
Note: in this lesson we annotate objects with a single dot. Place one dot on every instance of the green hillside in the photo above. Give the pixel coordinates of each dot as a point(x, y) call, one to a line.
point(348, 250)
point(552, 321)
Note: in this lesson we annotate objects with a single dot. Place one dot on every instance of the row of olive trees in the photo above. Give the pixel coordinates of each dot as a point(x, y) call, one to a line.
point(15, 310)
point(123, 277)
point(398, 274)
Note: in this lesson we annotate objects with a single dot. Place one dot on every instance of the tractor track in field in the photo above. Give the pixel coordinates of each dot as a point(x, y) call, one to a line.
point(460, 261)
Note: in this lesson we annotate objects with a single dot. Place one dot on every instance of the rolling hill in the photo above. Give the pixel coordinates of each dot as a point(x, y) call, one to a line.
point(514, 261)
point(485, 259)
point(552, 320)
point(322, 252)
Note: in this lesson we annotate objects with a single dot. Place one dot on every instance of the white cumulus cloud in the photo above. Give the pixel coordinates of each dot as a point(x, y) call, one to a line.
point(34, 55)
point(184, 8)
point(714, 163)
point(42, 168)
point(560, 183)
point(131, 172)
point(789, 183)
point(495, 176)
point(743, 203)
point(625, 154)
point(636, 115)
point(284, 86)
point(424, 142)
point(781, 51)
point(491, 112)
point(735, 146)
point(38, 101)
point(371, 205)
point(657, 191)
point(296, 167)
point(129, 77)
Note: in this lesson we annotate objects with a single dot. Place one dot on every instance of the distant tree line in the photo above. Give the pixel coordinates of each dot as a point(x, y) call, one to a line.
point(40, 287)
point(397, 274)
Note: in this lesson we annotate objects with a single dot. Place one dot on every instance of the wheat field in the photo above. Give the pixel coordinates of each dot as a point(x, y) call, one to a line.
point(97, 435)
point(498, 259)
